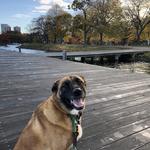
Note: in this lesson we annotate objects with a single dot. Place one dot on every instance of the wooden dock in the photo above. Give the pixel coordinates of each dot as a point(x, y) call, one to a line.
point(117, 114)
point(100, 53)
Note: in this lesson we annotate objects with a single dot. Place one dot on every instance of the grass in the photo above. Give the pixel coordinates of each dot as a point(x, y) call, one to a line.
point(140, 67)
point(68, 47)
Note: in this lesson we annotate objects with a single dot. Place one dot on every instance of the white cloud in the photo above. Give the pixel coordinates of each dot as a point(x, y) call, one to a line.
point(21, 16)
point(45, 5)
point(44, 2)
point(61, 3)
point(42, 8)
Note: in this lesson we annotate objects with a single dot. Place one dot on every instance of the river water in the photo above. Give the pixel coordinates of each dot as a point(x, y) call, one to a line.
point(23, 50)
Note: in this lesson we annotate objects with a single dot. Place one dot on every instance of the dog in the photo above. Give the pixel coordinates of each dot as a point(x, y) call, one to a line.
point(50, 127)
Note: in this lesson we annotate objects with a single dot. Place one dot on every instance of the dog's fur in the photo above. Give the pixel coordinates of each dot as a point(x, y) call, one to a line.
point(50, 128)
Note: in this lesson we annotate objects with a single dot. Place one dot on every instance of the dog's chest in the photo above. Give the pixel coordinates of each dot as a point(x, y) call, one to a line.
point(79, 132)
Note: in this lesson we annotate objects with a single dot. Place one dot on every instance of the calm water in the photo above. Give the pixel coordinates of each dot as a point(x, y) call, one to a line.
point(23, 50)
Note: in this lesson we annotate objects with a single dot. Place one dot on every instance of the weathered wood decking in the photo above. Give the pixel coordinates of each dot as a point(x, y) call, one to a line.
point(117, 114)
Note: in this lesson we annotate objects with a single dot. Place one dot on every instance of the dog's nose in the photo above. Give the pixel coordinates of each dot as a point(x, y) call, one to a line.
point(77, 92)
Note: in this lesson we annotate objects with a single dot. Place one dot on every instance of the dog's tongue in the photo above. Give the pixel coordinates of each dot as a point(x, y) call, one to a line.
point(78, 103)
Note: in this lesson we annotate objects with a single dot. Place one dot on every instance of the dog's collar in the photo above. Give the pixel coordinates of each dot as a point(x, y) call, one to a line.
point(75, 120)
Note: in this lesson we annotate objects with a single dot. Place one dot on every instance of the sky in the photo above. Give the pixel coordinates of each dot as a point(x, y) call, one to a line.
point(21, 12)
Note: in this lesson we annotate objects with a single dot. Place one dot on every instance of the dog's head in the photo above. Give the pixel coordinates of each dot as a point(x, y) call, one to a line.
point(70, 93)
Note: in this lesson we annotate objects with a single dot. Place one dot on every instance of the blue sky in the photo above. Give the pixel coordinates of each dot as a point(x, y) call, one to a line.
point(21, 12)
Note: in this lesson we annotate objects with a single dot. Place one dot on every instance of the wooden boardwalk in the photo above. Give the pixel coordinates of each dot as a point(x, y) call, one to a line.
point(134, 50)
point(117, 114)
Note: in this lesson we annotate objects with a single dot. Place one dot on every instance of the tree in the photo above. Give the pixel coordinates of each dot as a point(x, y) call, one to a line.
point(64, 22)
point(121, 30)
point(77, 24)
point(82, 5)
point(56, 10)
point(147, 34)
point(58, 23)
point(138, 12)
point(4, 39)
point(39, 28)
point(105, 12)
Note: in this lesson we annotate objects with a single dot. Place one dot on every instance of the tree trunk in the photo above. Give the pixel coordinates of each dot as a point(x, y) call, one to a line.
point(55, 39)
point(138, 36)
point(101, 38)
point(85, 28)
point(88, 40)
point(85, 37)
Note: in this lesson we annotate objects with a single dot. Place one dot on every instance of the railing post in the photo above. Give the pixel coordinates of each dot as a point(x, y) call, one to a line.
point(83, 59)
point(133, 57)
point(92, 59)
point(101, 60)
point(19, 49)
point(116, 60)
point(64, 55)
point(133, 64)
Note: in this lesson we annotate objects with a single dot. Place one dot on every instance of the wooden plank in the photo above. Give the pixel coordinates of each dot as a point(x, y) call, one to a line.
point(144, 147)
point(118, 102)
point(132, 142)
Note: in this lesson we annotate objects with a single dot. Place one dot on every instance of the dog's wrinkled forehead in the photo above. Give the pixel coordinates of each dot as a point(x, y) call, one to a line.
point(75, 79)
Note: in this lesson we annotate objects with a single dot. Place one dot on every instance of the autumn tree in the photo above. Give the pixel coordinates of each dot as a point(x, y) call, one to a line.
point(138, 12)
point(52, 27)
point(64, 23)
point(52, 22)
point(82, 5)
point(58, 23)
point(121, 30)
point(105, 12)
point(77, 24)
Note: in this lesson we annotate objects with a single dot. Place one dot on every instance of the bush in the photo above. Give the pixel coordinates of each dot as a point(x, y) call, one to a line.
point(147, 57)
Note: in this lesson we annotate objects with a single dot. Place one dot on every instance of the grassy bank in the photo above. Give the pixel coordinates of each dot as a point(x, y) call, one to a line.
point(139, 67)
point(68, 47)
point(147, 57)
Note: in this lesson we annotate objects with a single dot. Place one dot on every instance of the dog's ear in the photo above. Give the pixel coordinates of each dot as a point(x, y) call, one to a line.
point(82, 79)
point(55, 86)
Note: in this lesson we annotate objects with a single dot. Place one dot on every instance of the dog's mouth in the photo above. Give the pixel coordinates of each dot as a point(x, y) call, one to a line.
point(78, 103)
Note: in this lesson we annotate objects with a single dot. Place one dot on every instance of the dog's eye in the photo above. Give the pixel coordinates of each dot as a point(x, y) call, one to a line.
point(78, 80)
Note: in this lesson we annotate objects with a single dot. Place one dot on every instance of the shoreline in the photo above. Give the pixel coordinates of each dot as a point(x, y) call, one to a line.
point(70, 47)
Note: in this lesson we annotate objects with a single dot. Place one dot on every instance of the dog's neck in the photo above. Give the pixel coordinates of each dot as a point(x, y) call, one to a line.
point(58, 106)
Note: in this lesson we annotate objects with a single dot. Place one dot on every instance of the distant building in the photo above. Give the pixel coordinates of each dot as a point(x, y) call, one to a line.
point(5, 28)
point(17, 29)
